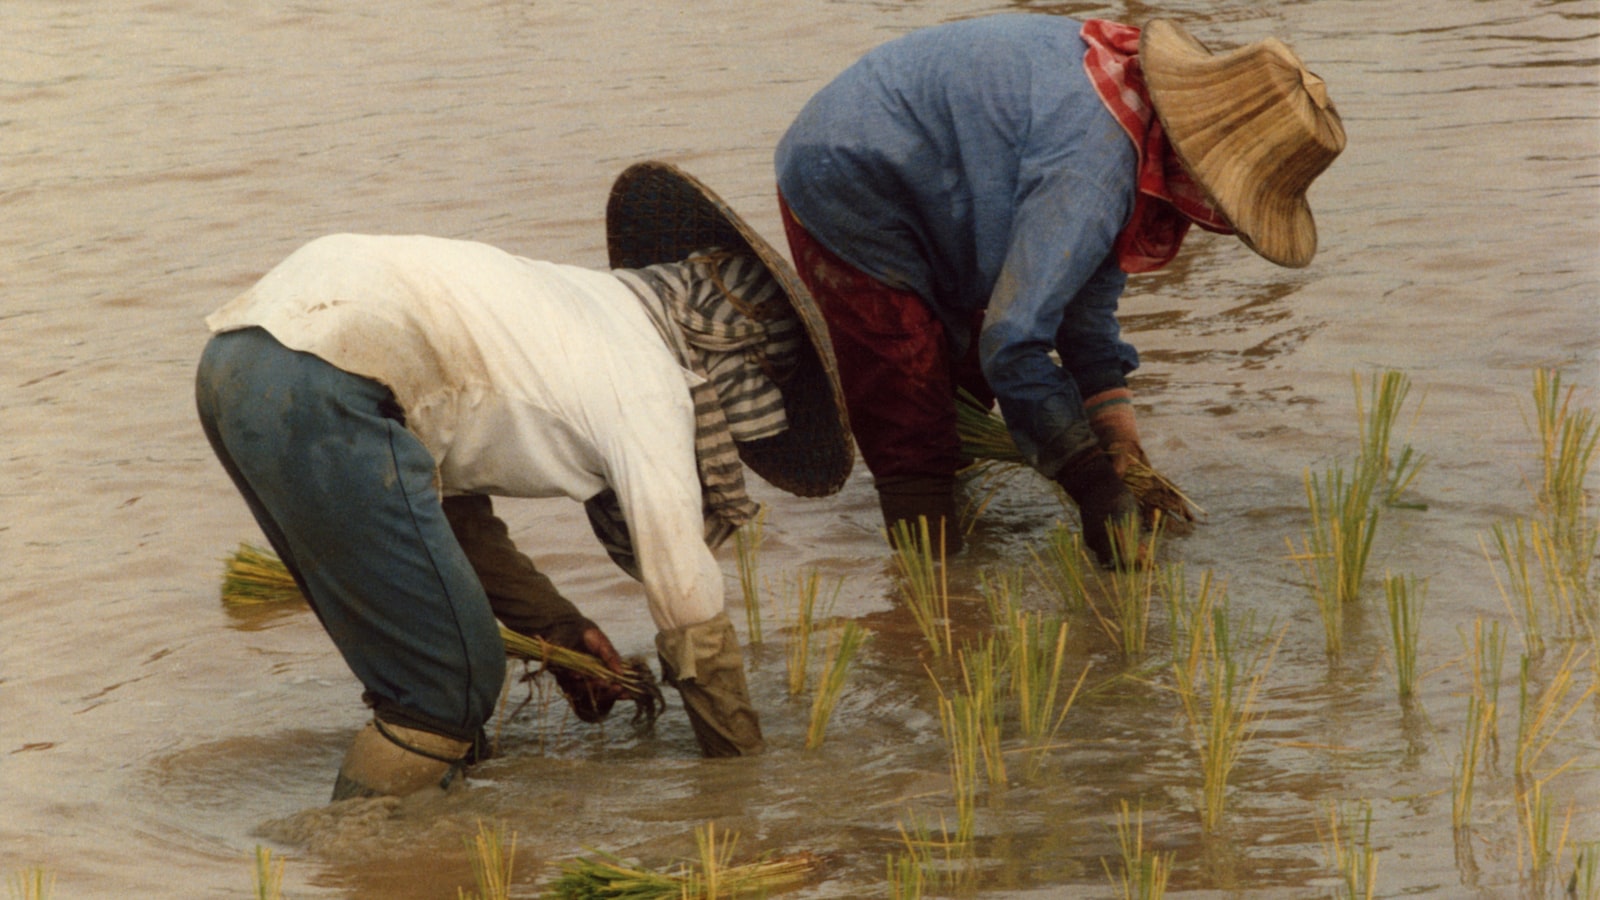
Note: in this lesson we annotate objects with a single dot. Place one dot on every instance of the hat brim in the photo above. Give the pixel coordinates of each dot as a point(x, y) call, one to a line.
point(657, 213)
point(1176, 66)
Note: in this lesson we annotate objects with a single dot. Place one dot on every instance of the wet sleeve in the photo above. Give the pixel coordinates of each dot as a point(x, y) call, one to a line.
point(1054, 285)
point(521, 596)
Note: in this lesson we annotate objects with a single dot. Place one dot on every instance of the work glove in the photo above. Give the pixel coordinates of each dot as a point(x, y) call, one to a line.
point(1111, 416)
point(1104, 504)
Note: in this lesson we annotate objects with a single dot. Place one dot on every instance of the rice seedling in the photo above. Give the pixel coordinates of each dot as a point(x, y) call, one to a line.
point(747, 554)
point(268, 875)
point(841, 651)
point(978, 709)
point(961, 724)
point(1568, 440)
point(1350, 851)
point(1543, 712)
point(604, 876)
point(1144, 871)
point(1220, 696)
point(924, 584)
point(1065, 569)
point(1539, 843)
point(1480, 735)
point(253, 575)
point(797, 645)
point(1405, 597)
point(929, 860)
point(32, 883)
point(1336, 547)
point(1385, 469)
point(1584, 884)
point(1129, 592)
point(1518, 591)
point(1188, 617)
point(984, 436)
point(1037, 662)
point(905, 876)
point(493, 854)
point(1486, 656)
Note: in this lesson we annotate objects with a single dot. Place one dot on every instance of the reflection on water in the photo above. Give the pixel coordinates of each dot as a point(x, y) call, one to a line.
point(158, 158)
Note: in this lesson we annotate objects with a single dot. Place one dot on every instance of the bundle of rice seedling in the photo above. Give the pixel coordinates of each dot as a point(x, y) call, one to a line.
point(984, 437)
point(256, 576)
point(607, 877)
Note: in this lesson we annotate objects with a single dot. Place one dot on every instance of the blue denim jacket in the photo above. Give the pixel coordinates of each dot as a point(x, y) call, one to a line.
point(973, 164)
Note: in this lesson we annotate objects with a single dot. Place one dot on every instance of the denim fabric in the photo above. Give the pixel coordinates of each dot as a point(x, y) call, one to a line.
point(348, 498)
point(974, 165)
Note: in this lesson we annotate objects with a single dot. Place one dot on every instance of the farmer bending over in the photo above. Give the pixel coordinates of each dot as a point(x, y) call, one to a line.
point(966, 203)
point(370, 394)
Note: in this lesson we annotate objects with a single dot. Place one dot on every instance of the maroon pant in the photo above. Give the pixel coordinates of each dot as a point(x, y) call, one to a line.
point(895, 363)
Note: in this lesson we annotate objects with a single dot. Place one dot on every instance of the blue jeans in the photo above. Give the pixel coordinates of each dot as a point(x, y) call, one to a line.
point(348, 499)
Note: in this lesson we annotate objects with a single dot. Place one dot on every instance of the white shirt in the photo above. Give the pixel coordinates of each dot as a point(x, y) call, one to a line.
point(522, 378)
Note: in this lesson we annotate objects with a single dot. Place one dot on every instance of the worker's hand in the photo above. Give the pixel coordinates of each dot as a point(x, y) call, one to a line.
point(1111, 416)
point(591, 698)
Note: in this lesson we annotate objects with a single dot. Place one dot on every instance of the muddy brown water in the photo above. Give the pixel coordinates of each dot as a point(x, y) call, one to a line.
point(155, 158)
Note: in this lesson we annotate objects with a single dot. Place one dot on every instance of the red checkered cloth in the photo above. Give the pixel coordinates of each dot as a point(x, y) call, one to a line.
point(1168, 199)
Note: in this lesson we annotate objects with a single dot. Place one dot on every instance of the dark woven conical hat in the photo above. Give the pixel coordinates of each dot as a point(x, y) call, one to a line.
point(657, 213)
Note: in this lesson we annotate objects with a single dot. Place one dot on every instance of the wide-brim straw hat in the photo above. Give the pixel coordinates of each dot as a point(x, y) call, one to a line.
point(1252, 126)
point(657, 213)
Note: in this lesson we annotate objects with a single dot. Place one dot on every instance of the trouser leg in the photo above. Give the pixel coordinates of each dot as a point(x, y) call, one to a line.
point(704, 662)
point(347, 496)
point(899, 379)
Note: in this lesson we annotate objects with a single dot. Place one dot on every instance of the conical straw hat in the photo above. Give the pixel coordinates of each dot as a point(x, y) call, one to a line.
point(1254, 128)
point(657, 213)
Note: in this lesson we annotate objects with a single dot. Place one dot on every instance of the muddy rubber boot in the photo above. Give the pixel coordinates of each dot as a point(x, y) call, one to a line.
point(705, 664)
point(388, 760)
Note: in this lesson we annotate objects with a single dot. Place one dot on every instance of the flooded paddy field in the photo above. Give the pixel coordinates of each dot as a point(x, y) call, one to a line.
point(157, 158)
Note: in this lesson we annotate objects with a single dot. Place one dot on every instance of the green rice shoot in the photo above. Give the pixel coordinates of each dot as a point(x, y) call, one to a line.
point(604, 876)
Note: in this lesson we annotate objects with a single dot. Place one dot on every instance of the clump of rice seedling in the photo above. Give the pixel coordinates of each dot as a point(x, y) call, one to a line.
point(929, 860)
point(841, 651)
point(268, 875)
point(1404, 596)
point(1542, 713)
point(1129, 592)
point(1144, 871)
point(1064, 568)
point(747, 553)
point(253, 575)
point(1539, 845)
point(1479, 735)
point(962, 725)
point(1388, 471)
point(1336, 547)
point(1568, 439)
point(1350, 851)
point(1585, 881)
point(1219, 694)
point(1518, 591)
point(1034, 647)
point(608, 877)
point(924, 584)
point(797, 646)
point(32, 883)
point(984, 436)
point(493, 854)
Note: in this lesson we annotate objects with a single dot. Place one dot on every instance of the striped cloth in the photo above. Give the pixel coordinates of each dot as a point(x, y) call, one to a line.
point(726, 320)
